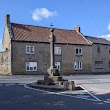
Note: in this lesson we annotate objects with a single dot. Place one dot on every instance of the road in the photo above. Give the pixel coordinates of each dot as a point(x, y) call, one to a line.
point(15, 95)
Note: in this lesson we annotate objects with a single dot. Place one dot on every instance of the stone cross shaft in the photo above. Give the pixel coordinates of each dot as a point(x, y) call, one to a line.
point(52, 71)
point(52, 40)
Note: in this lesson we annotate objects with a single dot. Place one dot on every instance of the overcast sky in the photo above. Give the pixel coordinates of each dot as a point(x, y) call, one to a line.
point(93, 16)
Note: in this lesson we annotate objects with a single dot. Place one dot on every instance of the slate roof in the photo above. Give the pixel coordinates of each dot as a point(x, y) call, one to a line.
point(23, 32)
point(97, 40)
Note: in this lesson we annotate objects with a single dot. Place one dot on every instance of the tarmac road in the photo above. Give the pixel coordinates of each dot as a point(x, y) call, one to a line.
point(15, 95)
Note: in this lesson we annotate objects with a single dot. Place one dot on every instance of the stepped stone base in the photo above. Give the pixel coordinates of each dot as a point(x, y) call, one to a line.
point(50, 80)
point(56, 81)
point(53, 78)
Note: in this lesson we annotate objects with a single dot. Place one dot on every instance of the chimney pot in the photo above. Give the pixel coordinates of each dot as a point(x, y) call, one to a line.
point(77, 28)
point(7, 19)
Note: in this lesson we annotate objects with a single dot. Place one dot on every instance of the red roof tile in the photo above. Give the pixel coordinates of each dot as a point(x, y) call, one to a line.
point(41, 34)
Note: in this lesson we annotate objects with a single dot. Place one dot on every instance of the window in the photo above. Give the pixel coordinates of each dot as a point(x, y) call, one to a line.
point(109, 49)
point(57, 64)
point(57, 50)
point(78, 65)
point(78, 51)
point(109, 64)
point(31, 66)
point(29, 49)
point(98, 49)
point(98, 64)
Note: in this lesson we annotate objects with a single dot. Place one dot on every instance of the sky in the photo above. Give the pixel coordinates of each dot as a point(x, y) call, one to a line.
point(93, 16)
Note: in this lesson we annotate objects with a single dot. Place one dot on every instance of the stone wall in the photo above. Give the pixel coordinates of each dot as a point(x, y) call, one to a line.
point(5, 63)
point(6, 42)
point(69, 57)
point(103, 55)
point(42, 57)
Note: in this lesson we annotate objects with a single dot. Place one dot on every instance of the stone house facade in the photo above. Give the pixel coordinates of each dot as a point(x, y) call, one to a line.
point(100, 54)
point(29, 50)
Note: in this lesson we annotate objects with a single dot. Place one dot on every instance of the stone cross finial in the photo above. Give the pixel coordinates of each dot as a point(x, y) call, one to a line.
point(51, 25)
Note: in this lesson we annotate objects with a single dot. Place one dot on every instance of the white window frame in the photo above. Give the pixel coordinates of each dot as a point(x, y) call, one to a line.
point(58, 64)
point(78, 65)
point(31, 65)
point(27, 46)
point(79, 53)
point(57, 50)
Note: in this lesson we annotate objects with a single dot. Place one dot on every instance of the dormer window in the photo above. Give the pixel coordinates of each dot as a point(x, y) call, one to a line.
point(98, 49)
point(78, 51)
point(29, 49)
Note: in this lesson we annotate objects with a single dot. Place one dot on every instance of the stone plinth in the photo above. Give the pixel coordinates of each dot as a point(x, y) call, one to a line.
point(69, 85)
point(54, 82)
point(53, 79)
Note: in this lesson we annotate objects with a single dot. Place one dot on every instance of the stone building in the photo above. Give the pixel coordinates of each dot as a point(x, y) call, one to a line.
point(100, 54)
point(27, 49)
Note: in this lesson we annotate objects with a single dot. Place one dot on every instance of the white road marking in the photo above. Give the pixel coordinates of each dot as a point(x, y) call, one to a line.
point(1, 84)
point(90, 94)
point(9, 84)
point(20, 84)
point(108, 99)
point(78, 96)
point(106, 102)
point(85, 98)
point(36, 89)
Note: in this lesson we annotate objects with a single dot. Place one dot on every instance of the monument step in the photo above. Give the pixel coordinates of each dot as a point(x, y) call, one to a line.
point(53, 78)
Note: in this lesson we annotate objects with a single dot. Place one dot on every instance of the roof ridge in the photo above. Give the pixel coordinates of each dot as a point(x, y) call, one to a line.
point(41, 26)
point(98, 40)
point(96, 37)
point(41, 34)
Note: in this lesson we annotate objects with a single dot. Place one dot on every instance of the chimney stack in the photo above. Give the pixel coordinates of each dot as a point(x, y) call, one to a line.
point(7, 19)
point(77, 28)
